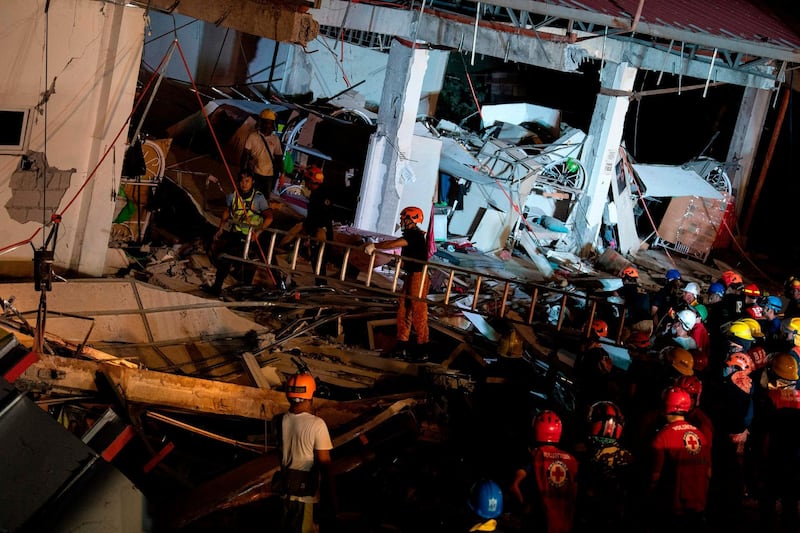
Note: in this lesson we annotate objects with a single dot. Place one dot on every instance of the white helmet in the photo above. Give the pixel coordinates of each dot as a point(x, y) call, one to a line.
point(687, 318)
point(692, 288)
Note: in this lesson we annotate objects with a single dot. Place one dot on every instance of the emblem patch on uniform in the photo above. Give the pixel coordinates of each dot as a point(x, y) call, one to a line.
point(557, 474)
point(691, 442)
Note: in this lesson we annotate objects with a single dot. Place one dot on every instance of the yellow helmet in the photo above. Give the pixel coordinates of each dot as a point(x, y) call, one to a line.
point(741, 330)
point(755, 327)
point(268, 114)
point(784, 366)
point(792, 326)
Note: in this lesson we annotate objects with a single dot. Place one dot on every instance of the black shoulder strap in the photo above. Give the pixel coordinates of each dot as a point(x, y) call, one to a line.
point(266, 145)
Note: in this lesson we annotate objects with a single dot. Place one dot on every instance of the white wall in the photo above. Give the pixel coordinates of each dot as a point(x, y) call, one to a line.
point(93, 56)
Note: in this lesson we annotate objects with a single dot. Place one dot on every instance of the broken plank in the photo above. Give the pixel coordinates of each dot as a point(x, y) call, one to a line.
point(254, 371)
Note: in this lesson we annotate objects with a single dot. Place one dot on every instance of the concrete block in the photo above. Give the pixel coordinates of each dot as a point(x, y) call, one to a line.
point(22, 180)
point(26, 199)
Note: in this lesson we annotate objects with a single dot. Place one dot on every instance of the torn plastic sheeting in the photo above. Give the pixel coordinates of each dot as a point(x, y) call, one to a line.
point(667, 181)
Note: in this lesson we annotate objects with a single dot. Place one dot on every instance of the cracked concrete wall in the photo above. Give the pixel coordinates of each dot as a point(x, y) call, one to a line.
point(75, 68)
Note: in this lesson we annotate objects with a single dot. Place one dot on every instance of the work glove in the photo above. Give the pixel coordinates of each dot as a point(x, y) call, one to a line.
point(369, 248)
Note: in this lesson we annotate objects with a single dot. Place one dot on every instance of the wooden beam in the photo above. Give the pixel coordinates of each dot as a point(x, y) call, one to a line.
point(62, 375)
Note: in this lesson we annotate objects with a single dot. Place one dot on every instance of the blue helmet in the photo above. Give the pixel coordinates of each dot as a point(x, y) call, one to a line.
point(486, 499)
point(672, 274)
point(716, 288)
point(774, 303)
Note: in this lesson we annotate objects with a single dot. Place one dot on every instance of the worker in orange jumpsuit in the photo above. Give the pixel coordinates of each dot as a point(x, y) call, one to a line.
point(413, 307)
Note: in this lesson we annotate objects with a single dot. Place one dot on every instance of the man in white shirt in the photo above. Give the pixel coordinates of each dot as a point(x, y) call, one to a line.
point(262, 153)
point(306, 453)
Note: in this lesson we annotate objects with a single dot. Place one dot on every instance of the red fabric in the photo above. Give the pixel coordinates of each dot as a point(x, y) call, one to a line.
point(758, 355)
point(700, 335)
point(681, 467)
point(785, 398)
point(555, 473)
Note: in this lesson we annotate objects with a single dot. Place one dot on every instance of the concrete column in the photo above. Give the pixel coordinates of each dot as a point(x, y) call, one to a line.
point(387, 168)
point(746, 135)
point(117, 70)
point(601, 149)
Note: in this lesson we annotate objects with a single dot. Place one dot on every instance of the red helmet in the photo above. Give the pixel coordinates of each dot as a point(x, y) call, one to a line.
point(630, 272)
point(547, 427)
point(752, 290)
point(693, 386)
point(606, 420)
point(677, 401)
point(300, 387)
point(742, 361)
point(600, 328)
point(639, 340)
point(414, 213)
point(729, 277)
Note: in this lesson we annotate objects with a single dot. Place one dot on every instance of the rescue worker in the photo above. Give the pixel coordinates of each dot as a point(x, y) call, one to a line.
point(667, 298)
point(776, 444)
point(680, 470)
point(791, 289)
point(756, 351)
point(680, 329)
point(486, 501)
point(305, 459)
point(318, 223)
point(607, 476)
point(547, 486)
point(771, 321)
point(594, 369)
point(246, 209)
point(637, 302)
point(689, 295)
point(696, 415)
point(733, 299)
point(413, 308)
point(752, 307)
point(791, 332)
point(732, 414)
point(262, 154)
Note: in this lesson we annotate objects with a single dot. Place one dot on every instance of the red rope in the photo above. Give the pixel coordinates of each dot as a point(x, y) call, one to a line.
point(91, 175)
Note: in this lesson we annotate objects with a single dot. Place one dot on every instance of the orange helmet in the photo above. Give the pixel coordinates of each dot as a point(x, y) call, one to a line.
point(630, 272)
point(600, 328)
point(741, 361)
point(314, 174)
point(729, 277)
point(300, 387)
point(414, 213)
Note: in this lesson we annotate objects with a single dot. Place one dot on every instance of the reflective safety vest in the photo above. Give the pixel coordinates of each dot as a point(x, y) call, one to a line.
point(243, 217)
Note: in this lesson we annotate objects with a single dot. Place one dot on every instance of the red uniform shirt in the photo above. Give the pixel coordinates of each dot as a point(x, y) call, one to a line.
point(555, 471)
point(681, 467)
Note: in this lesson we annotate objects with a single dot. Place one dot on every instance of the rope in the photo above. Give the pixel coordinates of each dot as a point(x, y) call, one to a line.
point(744, 254)
point(646, 210)
point(91, 175)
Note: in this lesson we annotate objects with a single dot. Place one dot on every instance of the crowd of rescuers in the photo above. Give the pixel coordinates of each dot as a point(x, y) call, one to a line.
point(700, 433)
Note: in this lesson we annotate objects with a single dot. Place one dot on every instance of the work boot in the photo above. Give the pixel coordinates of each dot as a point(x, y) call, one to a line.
point(419, 353)
point(400, 350)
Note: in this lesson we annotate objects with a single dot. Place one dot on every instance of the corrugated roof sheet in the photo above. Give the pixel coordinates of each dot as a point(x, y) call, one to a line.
point(723, 18)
